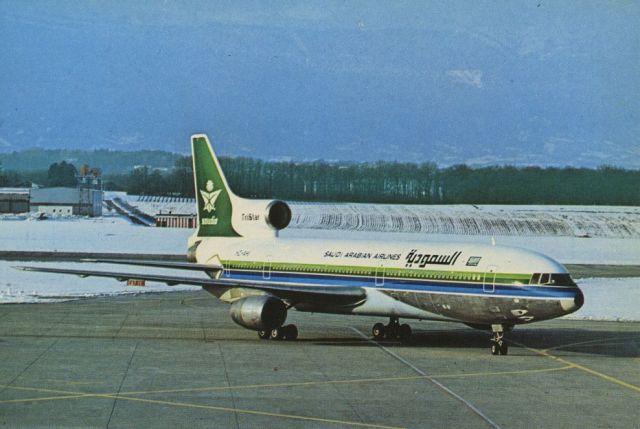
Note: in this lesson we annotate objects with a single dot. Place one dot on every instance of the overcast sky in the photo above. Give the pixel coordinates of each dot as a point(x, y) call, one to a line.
point(523, 82)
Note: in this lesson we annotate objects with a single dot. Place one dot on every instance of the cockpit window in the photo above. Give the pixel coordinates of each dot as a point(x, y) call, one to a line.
point(562, 280)
point(553, 279)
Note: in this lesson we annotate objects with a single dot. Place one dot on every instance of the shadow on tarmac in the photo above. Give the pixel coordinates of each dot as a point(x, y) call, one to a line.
point(584, 341)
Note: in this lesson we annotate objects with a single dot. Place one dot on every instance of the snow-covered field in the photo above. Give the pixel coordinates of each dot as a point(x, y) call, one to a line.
point(113, 233)
point(21, 287)
point(461, 219)
point(607, 299)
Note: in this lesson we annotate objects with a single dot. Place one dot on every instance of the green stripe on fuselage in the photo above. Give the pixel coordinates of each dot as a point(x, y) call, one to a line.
point(388, 272)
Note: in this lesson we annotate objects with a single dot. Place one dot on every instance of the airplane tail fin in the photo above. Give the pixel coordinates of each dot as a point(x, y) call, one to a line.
point(214, 199)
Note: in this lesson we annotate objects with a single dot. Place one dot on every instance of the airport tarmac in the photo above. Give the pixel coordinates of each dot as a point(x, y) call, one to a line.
point(177, 359)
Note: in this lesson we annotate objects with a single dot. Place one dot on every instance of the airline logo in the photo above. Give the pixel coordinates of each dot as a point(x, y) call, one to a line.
point(425, 258)
point(209, 198)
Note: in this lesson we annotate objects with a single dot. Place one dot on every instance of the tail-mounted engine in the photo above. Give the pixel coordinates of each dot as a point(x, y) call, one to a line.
point(254, 218)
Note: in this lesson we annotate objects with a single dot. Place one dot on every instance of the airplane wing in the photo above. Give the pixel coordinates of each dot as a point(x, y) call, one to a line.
point(317, 294)
point(158, 264)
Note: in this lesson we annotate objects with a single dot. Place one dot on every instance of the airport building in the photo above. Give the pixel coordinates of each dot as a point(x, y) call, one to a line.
point(14, 200)
point(169, 212)
point(170, 220)
point(84, 200)
point(67, 201)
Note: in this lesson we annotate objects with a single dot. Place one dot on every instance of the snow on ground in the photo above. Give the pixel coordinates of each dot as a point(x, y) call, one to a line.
point(562, 221)
point(21, 286)
point(110, 233)
point(115, 234)
point(609, 299)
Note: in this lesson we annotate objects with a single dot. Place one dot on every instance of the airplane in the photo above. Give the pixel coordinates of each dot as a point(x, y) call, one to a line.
point(262, 276)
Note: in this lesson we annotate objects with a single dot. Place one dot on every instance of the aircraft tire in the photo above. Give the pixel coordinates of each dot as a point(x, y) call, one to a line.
point(495, 348)
point(264, 335)
point(504, 349)
point(404, 332)
point(277, 334)
point(378, 331)
point(290, 332)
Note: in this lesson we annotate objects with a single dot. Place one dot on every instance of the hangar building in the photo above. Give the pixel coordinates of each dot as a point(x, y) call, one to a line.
point(67, 201)
point(14, 200)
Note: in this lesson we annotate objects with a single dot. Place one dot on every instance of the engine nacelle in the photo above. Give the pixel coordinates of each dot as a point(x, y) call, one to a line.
point(260, 312)
point(254, 218)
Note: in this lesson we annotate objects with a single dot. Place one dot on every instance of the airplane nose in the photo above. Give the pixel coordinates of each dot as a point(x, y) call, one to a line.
point(579, 299)
point(571, 305)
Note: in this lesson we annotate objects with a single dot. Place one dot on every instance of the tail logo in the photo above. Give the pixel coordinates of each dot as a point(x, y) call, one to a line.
point(210, 197)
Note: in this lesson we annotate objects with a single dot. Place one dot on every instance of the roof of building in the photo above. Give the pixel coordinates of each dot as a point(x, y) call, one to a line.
point(14, 190)
point(55, 196)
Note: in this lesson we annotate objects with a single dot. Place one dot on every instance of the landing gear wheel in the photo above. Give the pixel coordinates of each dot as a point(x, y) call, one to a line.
point(290, 332)
point(378, 331)
point(498, 344)
point(392, 328)
point(391, 334)
point(264, 335)
point(277, 334)
point(404, 332)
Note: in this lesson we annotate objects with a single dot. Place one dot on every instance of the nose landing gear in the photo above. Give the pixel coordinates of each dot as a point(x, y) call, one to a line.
point(498, 344)
point(393, 330)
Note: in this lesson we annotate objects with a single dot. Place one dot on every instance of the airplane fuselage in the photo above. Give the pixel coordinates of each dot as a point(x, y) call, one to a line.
point(470, 283)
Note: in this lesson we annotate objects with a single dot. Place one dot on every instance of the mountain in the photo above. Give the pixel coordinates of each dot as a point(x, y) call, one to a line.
point(528, 83)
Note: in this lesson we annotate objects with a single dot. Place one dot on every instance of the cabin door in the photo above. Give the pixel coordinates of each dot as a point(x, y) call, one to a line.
point(489, 279)
point(266, 269)
point(379, 276)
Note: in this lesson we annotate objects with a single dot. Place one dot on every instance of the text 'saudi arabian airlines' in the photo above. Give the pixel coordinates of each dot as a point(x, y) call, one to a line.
point(264, 276)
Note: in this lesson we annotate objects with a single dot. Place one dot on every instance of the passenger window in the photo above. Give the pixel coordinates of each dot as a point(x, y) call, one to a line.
point(544, 279)
point(535, 279)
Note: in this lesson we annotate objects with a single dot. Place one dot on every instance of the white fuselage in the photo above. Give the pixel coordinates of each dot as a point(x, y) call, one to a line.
point(471, 283)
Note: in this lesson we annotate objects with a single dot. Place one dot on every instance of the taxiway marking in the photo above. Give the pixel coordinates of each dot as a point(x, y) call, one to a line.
point(431, 379)
point(64, 395)
point(67, 394)
point(583, 368)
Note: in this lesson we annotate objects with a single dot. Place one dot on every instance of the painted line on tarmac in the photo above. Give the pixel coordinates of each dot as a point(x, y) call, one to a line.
point(254, 412)
point(46, 398)
point(347, 381)
point(598, 341)
point(430, 378)
point(121, 397)
point(583, 368)
point(68, 394)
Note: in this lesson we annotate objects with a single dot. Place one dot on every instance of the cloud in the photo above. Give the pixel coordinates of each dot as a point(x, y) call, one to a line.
point(129, 140)
point(5, 143)
point(469, 77)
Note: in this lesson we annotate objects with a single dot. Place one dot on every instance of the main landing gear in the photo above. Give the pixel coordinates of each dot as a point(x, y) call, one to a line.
point(498, 344)
point(287, 332)
point(394, 330)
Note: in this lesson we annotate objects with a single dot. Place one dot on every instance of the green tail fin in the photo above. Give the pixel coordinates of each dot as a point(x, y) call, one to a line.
point(213, 196)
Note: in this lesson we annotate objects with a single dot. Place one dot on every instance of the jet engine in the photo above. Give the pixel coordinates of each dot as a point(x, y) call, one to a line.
point(278, 214)
point(255, 218)
point(259, 312)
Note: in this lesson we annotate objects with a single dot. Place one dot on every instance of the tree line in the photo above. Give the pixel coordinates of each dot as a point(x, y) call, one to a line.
point(392, 182)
